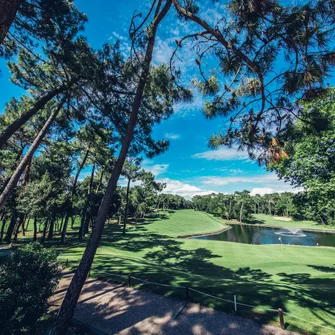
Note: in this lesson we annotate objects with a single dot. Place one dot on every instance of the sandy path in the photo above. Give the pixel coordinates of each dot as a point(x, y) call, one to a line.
point(116, 309)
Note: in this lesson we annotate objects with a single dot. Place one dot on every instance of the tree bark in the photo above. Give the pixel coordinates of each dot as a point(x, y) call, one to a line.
point(100, 181)
point(19, 223)
point(19, 122)
point(60, 228)
point(8, 12)
point(126, 209)
point(85, 218)
point(4, 219)
point(28, 221)
point(74, 187)
point(45, 230)
point(35, 229)
point(11, 228)
point(52, 228)
point(25, 160)
point(70, 301)
point(73, 218)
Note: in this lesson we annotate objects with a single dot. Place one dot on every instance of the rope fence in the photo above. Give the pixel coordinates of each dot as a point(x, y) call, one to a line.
point(280, 312)
point(187, 289)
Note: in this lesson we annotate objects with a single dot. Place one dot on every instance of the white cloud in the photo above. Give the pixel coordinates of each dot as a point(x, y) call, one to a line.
point(182, 109)
point(262, 179)
point(223, 154)
point(172, 136)
point(268, 190)
point(262, 184)
point(262, 190)
point(163, 51)
point(156, 169)
point(116, 36)
point(183, 189)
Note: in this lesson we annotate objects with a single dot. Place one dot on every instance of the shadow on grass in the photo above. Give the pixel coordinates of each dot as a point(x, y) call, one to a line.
point(165, 260)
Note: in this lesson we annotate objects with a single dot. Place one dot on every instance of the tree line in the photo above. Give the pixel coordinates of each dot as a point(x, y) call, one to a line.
point(242, 206)
point(97, 107)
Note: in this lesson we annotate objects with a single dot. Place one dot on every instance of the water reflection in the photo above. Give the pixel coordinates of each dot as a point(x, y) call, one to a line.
point(260, 235)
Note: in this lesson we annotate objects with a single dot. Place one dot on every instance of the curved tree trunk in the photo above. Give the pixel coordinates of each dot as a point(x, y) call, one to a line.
point(70, 301)
point(25, 160)
point(13, 166)
point(19, 122)
point(8, 12)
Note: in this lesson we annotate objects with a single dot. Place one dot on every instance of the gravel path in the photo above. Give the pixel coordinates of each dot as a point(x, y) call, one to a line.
point(116, 309)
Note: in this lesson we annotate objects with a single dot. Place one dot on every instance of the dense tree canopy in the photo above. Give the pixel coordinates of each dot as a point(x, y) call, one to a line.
point(311, 158)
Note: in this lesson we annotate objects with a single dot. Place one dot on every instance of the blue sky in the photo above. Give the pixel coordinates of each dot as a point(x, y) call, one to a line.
point(189, 167)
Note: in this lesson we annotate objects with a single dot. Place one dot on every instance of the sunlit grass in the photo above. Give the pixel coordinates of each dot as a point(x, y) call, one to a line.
point(298, 279)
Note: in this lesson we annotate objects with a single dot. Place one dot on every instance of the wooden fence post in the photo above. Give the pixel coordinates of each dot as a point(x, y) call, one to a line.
point(129, 280)
point(235, 303)
point(281, 318)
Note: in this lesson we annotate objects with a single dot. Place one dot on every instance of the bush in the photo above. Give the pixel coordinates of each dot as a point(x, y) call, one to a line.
point(27, 279)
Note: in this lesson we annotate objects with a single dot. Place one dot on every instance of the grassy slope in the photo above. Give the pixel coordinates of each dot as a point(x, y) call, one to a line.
point(298, 279)
point(268, 220)
point(185, 222)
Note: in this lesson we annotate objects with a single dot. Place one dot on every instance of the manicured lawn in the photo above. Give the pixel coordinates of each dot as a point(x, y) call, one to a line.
point(185, 222)
point(268, 220)
point(300, 280)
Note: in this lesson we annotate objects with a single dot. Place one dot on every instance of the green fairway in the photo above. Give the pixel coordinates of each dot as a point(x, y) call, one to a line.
point(273, 221)
point(300, 280)
point(184, 222)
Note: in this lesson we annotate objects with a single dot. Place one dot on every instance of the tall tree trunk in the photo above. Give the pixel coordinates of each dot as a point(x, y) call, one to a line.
point(74, 188)
point(11, 227)
point(51, 228)
point(25, 160)
point(100, 181)
point(45, 230)
point(73, 219)
point(19, 223)
point(60, 228)
point(70, 301)
point(8, 12)
point(27, 225)
point(4, 219)
point(35, 229)
point(19, 122)
point(85, 218)
point(126, 209)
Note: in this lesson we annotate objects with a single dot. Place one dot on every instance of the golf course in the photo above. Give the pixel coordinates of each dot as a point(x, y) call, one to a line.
point(266, 276)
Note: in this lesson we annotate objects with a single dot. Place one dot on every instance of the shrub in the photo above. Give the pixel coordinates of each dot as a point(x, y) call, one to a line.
point(27, 279)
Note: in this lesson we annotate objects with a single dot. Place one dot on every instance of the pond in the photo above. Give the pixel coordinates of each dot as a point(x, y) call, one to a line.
point(262, 235)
